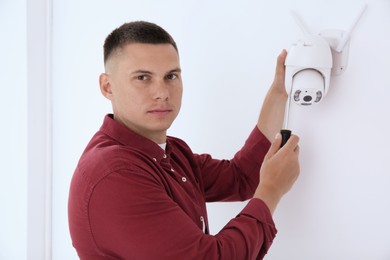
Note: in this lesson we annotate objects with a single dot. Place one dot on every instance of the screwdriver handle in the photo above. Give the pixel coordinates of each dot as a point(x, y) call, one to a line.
point(285, 136)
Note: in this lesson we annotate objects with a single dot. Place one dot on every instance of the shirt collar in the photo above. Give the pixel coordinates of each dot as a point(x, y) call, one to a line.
point(126, 137)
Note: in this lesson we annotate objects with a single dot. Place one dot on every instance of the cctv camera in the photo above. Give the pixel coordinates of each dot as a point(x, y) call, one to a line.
point(313, 59)
point(309, 64)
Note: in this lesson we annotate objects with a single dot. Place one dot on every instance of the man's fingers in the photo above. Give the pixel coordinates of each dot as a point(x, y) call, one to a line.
point(280, 68)
point(292, 143)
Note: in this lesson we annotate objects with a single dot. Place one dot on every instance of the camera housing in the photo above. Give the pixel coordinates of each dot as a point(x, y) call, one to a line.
point(308, 70)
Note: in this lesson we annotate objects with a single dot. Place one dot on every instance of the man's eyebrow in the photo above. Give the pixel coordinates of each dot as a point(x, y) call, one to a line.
point(141, 72)
point(177, 70)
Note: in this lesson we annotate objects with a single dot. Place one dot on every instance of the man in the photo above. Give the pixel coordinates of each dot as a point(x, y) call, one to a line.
point(140, 194)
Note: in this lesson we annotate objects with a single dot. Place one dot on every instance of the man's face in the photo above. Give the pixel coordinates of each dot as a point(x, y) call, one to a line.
point(143, 82)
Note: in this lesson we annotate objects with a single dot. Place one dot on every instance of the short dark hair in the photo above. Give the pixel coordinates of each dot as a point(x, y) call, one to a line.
point(136, 32)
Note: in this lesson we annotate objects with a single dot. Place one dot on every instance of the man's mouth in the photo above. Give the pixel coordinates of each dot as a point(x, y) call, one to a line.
point(160, 111)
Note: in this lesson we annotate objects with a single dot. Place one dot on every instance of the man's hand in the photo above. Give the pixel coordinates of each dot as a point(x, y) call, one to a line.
point(274, 105)
point(279, 171)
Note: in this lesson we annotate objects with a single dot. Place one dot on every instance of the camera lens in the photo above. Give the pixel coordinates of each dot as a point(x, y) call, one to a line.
point(307, 98)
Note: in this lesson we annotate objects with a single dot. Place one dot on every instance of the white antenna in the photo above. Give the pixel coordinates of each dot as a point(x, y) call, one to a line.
point(300, 23)
point(348, 33)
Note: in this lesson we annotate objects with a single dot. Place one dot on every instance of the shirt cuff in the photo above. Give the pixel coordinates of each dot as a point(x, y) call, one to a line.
point(256, 146)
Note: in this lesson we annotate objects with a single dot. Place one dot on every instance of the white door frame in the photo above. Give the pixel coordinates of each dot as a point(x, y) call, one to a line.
point(39, 211)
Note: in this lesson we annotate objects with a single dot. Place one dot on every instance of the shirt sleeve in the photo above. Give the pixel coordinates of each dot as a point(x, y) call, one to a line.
point(238, 178)
point(131, 216)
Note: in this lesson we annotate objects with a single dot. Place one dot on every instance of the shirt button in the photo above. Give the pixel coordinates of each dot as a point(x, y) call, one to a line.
point(172, 170)
point(164, 156)
point(154, 159)
point(183, 179)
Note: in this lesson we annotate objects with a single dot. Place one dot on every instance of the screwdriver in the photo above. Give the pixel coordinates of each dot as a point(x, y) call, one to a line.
point(285, 132)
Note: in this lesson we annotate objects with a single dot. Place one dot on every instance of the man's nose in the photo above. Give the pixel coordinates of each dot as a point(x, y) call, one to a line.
point(161, 91)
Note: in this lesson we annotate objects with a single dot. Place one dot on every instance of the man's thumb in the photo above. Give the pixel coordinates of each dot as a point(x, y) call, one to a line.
point(274, 146)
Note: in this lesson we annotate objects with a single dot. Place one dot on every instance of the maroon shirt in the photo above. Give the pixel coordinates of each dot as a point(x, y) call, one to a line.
point(130, 199)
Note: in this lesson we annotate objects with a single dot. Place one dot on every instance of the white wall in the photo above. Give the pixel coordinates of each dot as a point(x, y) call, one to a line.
point(339, 208)
point(13, 144)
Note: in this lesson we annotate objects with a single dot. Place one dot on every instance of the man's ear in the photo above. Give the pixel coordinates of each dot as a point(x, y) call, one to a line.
point(105, 85)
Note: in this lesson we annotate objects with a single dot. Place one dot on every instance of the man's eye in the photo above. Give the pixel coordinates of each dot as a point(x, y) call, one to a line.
point(142, 77)
point(171, 76)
